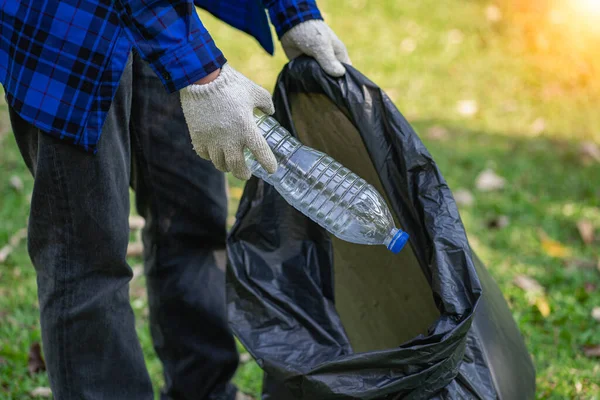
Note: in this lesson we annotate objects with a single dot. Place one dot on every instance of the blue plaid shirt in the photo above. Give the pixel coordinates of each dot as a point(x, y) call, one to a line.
point(61, 60)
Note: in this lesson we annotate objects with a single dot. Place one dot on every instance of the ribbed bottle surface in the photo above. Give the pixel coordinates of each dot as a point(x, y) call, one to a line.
point(325, 191)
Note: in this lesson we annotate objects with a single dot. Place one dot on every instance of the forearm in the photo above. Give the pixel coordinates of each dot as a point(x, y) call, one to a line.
point(209, 78)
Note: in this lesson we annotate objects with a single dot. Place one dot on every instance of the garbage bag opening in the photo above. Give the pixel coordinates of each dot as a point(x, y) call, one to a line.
point(391, 284)
point(327, 320)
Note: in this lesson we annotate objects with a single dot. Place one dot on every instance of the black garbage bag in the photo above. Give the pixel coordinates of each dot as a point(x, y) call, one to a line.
point(327, 319)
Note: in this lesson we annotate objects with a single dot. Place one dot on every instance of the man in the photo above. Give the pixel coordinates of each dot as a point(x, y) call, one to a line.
point(90, 117)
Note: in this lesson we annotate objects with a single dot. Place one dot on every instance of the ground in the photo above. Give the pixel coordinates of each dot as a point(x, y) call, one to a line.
point(486, 89)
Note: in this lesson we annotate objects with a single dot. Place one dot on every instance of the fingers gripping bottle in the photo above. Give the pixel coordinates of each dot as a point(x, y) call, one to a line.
point(325, 191)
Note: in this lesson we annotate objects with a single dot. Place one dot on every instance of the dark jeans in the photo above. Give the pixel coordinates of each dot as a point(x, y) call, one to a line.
point(78, 236)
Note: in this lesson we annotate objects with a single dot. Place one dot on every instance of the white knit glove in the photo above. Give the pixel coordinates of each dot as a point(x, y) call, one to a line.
point(316, 39)
point(220, 118)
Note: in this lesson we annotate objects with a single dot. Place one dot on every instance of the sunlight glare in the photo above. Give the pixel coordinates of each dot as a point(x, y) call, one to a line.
point(589, 6)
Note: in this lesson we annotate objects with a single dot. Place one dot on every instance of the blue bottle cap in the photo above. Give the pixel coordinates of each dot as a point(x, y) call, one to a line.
point(398, 241)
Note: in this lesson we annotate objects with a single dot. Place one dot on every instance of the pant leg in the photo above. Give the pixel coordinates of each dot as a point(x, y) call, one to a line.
point(78, 235)
point(183, 199)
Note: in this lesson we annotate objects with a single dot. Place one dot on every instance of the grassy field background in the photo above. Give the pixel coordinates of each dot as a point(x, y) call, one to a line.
point(508, 86)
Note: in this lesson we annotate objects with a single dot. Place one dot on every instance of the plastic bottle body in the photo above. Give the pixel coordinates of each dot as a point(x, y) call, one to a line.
point(325, 191)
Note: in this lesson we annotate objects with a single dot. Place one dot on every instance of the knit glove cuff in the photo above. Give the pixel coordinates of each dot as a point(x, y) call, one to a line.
point(220, 119)
point(221, 85)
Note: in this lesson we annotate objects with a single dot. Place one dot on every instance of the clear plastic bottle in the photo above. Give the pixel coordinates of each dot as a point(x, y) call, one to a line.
point(325, 191)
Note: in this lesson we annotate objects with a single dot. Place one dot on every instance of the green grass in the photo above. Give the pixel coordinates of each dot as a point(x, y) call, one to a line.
point(429, 56)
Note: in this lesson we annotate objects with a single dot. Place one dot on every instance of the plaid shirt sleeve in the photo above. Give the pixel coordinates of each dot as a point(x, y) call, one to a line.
point(285, 14)
point(169, 35)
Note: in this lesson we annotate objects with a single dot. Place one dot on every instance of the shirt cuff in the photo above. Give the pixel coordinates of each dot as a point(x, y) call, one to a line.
point(189, 63)
point(285, 14)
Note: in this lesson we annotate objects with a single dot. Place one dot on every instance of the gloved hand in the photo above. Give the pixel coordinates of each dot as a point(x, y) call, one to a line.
point(316, 39)
point(220, 118)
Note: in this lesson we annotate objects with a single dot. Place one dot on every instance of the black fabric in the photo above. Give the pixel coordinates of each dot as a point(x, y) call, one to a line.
point(280, 278)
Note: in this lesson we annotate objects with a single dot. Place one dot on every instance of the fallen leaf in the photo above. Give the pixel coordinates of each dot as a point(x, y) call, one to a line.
point(510, 106)
point(535, 293)
point(138, 292)
point(138, 270)
point(488, 181)
point(16, 183)
point(578, 387)
point(552, 91)
point(12, 243)
point(243, 396)
point(35, 361)
point(135, 249)
point(568, 209)
point(245, 358)
point(136, 222)
point(498, 222)
point(408, 45)
point(413, 28)
point(137, 304)
point(589, 152)
point(493, 13)
point(528, 284)
point(596, 313)
point(463, 197)
point(41, 392)
point(589, 287)
point(393, 94)
point(543, 307)
point(5, 252)
point(467, 108)
point(236, 192)
point(437, 133)
point(230, 221)
point(586, 231)
point(455, 36)
point(553, 248)
point(592, 351)
point(538, 126)
point(17, 237)
point(580, 263)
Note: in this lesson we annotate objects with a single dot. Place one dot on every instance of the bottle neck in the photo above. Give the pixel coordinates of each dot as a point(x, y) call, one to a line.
point(390, 236)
